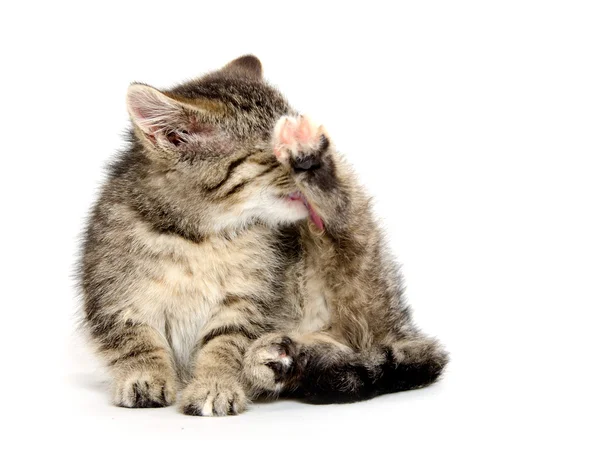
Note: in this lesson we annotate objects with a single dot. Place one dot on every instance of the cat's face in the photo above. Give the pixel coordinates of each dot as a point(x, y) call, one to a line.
point(210, 162)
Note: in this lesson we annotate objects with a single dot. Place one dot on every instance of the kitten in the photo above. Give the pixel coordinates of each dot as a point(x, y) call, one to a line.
point(232, 254)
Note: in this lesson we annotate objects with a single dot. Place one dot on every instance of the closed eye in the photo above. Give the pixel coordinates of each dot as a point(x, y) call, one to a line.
point(231, 168)
point(244, 182)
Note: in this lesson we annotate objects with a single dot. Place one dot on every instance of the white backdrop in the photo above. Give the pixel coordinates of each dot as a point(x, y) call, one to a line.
point(475, 125)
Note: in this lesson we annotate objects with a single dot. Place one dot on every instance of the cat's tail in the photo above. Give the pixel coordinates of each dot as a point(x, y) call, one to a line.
point(402, 365)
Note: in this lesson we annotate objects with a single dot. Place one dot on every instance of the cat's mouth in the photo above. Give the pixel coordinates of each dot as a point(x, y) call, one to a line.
point(314, 216)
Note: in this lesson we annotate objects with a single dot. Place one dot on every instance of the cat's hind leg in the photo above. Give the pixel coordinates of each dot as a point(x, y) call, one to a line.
point(272, 363)
point(388, 368)
point(275, 363)
point(323, 371)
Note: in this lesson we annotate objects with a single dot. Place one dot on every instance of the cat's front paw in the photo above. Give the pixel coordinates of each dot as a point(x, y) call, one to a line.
point(300, 143)
point(213, 396)
point(144, 389)
point(272, 363)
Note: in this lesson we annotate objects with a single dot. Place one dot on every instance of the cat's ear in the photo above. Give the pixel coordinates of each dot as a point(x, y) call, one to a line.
point(161, 118)
point(167, 122)
point(247, 66)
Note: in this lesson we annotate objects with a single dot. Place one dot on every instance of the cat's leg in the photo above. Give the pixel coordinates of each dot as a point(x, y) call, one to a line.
point(323, 177)
point(217, 387)
point(363, 286)
point(139, 361)
point(320, 370)
point(387, 368)
point(276, 362)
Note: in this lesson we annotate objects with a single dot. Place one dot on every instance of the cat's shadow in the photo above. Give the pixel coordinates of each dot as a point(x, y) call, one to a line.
point(91, 382)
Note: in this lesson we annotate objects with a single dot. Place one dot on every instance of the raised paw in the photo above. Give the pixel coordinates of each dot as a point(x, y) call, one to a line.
point(300, 143)
point(143, 389)
point(211, 396)
point(272, 363)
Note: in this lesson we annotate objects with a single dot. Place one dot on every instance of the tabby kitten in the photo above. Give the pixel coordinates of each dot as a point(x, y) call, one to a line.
point(232, 254)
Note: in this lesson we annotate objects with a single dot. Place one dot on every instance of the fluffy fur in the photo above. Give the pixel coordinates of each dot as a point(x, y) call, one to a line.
point(232, 254)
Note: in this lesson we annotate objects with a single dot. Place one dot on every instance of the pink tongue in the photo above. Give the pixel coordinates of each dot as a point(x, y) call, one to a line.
point(316, 219)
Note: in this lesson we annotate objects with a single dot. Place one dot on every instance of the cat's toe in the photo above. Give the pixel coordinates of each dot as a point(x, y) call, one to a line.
point(271, 363)
point(284, 140)
point(213, 398)
point(307, 132)
point(300, 138)
point(144, 390)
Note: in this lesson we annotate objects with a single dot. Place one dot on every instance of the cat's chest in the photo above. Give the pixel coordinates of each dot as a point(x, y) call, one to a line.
point(187, 281)
point(210, 272)
point(316, 314)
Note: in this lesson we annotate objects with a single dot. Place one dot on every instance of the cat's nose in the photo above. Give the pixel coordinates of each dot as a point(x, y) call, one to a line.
point(305, 163)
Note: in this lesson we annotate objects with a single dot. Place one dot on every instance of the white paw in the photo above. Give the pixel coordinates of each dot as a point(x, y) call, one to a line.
point(213, 397)
point(270, 363)
point(296, 135)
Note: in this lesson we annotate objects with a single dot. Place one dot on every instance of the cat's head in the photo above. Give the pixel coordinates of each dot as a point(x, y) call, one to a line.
point(207, 159)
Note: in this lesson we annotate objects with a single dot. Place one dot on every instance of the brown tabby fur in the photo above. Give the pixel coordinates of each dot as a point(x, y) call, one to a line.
point(200, 272)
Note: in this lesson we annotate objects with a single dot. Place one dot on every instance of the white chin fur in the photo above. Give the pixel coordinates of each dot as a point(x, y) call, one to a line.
point(284, 211)
point(270, 209)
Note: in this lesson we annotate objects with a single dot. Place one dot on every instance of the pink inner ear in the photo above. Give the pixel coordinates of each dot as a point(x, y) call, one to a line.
point(144, 117)
point(197, 127)
point(152, 111)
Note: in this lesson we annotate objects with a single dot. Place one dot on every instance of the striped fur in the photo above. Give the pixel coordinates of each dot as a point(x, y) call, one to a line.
point(232, 254)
